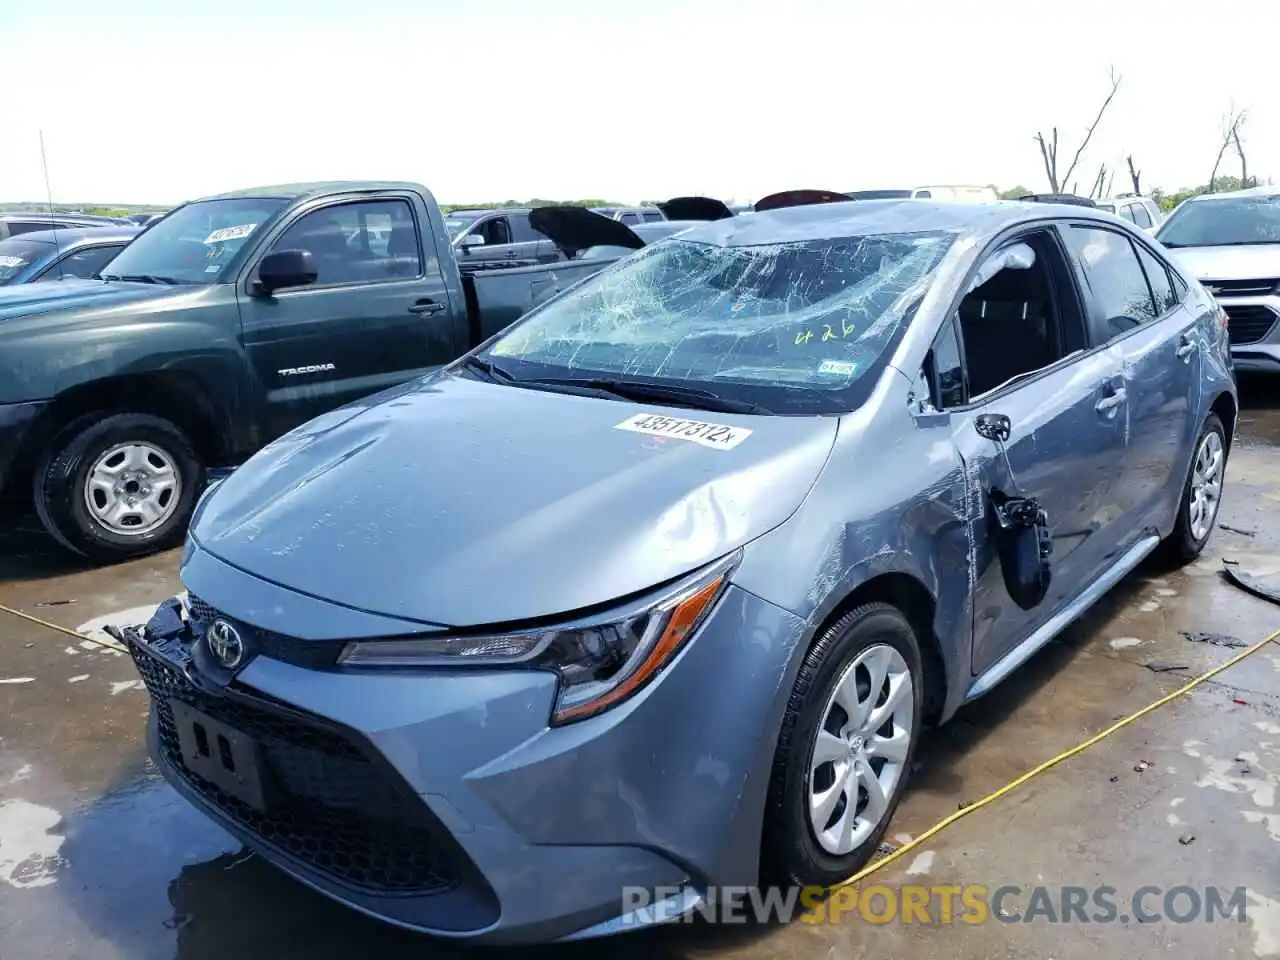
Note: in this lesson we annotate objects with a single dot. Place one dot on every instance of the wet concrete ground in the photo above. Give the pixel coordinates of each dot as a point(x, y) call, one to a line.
point(100, 859)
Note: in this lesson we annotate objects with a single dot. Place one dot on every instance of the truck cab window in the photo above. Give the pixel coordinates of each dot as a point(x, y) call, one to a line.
point(496, 231)
point(358, 242)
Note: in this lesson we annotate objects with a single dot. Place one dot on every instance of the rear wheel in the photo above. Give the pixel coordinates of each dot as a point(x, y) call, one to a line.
point(118, 486)
point(844, 753)
point(1201, 495)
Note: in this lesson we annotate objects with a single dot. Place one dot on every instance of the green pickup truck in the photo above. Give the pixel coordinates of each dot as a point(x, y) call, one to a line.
point(233, 320)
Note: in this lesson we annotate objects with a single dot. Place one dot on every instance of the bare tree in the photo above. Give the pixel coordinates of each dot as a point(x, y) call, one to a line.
point(1049, 145)
point(1231, 124)
point(1135, 175)
point(1244, 164)
point(1099, 183)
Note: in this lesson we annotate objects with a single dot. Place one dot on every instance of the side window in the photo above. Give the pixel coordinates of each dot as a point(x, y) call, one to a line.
point(652, 216)
point(1161, 285)
point(1020, 320)
point(496, 231)
point(522, 230)
point(1117, 288)
point(359, 242)
point(630, 218)
point(924, 195)
point(82, 263)
point(1127, 212)
point(944, 369)
point(1140, 215)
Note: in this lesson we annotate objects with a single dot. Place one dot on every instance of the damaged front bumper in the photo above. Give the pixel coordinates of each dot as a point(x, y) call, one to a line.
point(441, 801)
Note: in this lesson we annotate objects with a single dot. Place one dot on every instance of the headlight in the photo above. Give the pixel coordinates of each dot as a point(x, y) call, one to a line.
point(600, 663)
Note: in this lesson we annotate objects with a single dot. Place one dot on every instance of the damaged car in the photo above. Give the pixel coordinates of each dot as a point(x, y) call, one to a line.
point(659, 587)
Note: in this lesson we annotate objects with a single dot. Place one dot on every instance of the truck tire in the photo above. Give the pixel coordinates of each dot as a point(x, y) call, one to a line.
point(113, 487)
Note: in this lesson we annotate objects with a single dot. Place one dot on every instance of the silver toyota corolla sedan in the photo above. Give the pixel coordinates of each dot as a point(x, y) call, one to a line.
point(658, 588)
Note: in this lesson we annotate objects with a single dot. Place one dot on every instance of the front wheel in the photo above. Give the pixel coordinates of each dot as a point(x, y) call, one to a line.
point(115, 487)
point(844, 753)
point(1201, 495)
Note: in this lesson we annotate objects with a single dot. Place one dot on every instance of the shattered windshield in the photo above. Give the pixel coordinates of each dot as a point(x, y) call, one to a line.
point(1223, 223)
point(195, 243)
point(797, 327)
point(17, 255)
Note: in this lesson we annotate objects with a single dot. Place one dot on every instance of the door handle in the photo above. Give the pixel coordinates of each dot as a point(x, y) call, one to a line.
point(427, 307)
point(1186, 347)
point(1111, 401)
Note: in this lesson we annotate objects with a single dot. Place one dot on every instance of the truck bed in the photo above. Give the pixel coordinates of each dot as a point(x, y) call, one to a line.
point(497, 298)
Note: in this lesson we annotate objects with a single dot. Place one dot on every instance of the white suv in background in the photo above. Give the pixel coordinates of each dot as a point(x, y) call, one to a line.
point(1231, 243)
point(1139, 210)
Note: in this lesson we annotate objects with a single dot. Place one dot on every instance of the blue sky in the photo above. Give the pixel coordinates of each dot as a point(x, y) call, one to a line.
point(143, 101)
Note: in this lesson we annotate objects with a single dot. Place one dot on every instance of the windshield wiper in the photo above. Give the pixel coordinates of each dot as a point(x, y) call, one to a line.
point(139, 278)
point(672, 394)
point(489, 369)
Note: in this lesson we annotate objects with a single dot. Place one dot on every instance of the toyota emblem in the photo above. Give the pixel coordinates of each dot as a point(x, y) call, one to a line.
point(225, 644)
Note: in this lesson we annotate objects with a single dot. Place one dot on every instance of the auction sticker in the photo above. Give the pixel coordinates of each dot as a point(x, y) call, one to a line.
point(717, 436)
point(231, 233)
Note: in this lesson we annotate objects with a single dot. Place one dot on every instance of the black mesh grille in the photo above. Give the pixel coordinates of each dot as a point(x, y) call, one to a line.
point(328, 804)
point(1248, 323)
point(312, 654)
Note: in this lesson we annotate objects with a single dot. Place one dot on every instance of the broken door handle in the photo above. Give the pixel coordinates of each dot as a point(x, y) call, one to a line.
point(427, 307)
point(1111, 401)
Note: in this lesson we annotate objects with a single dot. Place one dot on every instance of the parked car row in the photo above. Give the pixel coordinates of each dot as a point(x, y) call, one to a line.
point(61, 254)
point(677, 566)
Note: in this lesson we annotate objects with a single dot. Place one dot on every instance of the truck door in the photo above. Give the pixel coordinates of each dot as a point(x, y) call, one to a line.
point(377, 314)
point(497, 248)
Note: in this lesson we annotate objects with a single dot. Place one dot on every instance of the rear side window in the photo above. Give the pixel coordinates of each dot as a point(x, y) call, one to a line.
point(522, 230)
point(1140, 215)
point(1127, 212)
point(83, 263)
point(1161, 284)
point(1119, 298)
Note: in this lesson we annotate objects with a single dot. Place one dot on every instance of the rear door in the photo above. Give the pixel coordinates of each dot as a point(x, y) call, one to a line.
point(377, 314)
point(528, 245)
point(1133, 308)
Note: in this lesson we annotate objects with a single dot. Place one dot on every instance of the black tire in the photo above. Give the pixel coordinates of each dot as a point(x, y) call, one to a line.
point(791, 854)
point(60, 476)
point(1181, 546)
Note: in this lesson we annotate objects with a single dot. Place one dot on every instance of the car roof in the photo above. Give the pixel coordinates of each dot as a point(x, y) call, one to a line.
point(70, 237)
point(1268, 190)
point(830, 221)
point(298, 191)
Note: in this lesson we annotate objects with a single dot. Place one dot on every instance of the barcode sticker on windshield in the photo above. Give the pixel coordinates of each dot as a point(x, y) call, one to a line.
point(7, 261)
point(717, 436)
point(231, 233)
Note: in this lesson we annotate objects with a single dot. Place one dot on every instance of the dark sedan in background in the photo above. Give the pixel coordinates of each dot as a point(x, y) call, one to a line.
point(58, 254)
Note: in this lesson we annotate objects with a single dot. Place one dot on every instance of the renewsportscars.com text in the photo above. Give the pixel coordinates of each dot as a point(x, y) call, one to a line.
point(943, 904)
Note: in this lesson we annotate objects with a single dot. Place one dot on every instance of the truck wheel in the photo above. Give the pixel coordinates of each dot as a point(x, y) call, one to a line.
point(119, 486)
point(845, 748)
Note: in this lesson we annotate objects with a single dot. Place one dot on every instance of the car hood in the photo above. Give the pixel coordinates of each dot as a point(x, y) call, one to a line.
point(28, 299)
point(1229, 263)
point(798, 198)
point(695, 208)
point(458, 502)
point(574, 229)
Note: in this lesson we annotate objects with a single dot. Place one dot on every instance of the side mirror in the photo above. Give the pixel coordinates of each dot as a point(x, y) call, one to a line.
point(285, 268)
point(995, 427)
point(472, 240)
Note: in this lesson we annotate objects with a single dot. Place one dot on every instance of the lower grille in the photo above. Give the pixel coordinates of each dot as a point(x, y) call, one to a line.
point(328, 804)
point(1248, 323)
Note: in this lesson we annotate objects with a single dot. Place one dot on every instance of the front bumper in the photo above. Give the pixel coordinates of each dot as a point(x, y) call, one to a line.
point(442, 802)
point(16, 423)
point(1253, 327)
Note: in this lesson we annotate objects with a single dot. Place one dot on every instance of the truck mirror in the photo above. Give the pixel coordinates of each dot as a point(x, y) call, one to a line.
point(472, 240)
point(285, 268)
